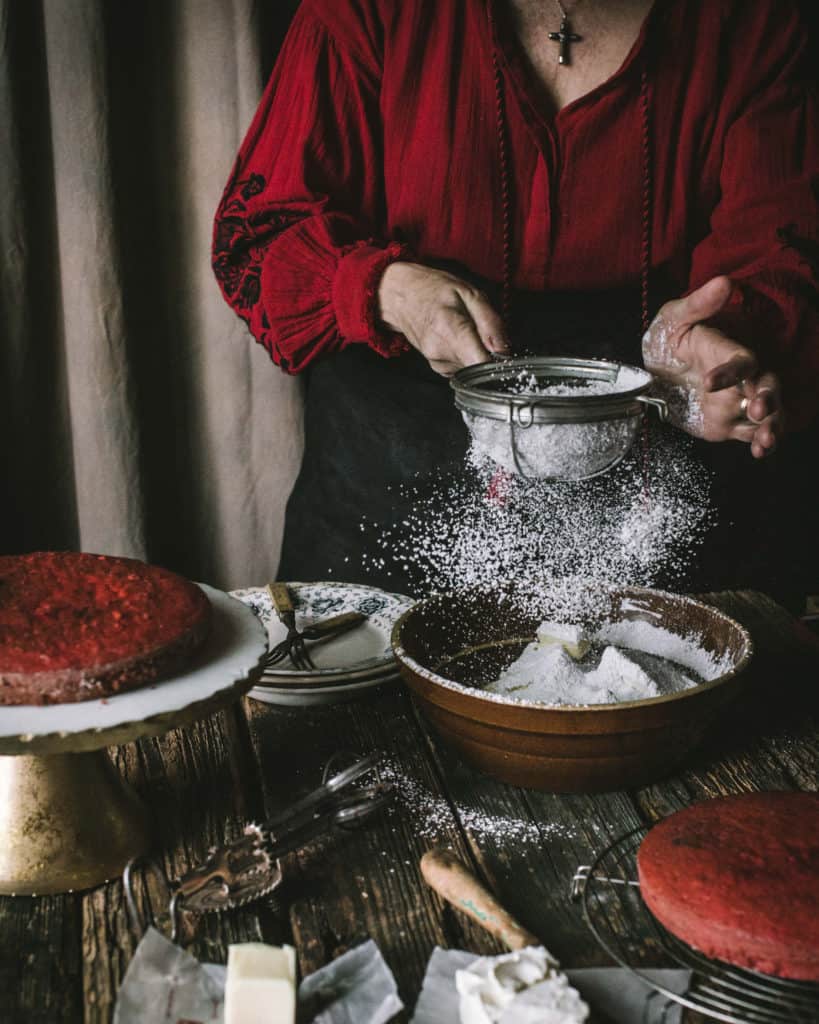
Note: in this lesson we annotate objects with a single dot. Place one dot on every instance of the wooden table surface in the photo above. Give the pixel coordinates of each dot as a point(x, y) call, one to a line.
point(62, 957)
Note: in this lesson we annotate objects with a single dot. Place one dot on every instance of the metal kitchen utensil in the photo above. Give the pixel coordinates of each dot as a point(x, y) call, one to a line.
point(249, 867)
point(325, 630)
point(293, 644)
point(547, 418)
point(623, 925)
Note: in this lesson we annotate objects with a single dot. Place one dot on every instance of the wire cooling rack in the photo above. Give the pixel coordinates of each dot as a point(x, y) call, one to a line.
point(626, 929)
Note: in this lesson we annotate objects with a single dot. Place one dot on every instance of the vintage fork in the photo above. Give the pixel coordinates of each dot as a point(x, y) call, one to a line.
point(293, 644)
point(323, 630)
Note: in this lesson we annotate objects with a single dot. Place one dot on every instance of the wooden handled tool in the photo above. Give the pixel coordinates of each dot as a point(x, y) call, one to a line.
point(453, 880)
point(282, 601)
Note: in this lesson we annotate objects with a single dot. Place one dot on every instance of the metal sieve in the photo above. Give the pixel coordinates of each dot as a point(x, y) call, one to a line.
point(554, 418)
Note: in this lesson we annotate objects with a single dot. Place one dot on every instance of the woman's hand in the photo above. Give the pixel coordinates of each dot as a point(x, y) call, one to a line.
point(451, 323)
point(724, 396)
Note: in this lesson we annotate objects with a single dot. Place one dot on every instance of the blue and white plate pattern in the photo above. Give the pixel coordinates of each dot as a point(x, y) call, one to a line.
point(317, 696)
point(365, 649)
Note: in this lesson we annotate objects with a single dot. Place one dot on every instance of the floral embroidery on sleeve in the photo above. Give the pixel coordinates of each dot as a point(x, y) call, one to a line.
point(240, 238)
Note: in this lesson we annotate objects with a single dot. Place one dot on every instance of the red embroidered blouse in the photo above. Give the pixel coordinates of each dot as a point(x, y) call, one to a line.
point(377, 138)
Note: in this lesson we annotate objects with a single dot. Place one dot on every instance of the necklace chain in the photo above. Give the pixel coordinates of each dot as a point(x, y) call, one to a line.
point(563, 12)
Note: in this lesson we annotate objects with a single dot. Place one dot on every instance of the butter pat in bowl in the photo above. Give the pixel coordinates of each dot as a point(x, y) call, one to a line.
point(261, 984)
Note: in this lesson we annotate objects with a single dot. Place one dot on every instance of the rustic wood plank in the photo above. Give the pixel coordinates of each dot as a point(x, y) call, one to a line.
point(40, 959)
point(746, 749)
point(799, 757)
point(775, 724)
point(786, 656)
point(791, 712)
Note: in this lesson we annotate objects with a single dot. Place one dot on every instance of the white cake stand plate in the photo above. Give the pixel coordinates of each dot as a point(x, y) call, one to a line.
point(68, 820)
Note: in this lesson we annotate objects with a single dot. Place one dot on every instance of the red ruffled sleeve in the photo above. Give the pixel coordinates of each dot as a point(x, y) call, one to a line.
point(295, 246)
point(765, 227)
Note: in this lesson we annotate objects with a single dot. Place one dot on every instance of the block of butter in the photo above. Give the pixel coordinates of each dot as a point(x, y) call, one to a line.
point(574, 640)
point(261, 984)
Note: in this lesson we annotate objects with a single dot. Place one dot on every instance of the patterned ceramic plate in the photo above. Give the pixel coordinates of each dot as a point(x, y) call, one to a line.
point(297, 679)
point(363, 650)
point(314, 696)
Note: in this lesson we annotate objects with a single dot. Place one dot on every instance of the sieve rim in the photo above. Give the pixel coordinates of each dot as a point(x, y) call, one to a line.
point(474, 397)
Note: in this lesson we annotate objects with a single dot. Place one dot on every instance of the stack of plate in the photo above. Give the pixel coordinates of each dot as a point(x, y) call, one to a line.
point(346, 666)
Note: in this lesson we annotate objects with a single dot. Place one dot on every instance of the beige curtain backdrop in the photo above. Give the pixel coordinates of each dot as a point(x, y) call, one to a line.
point(138, 417)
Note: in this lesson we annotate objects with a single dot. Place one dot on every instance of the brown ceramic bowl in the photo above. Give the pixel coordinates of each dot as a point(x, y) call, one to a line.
point(561, 749)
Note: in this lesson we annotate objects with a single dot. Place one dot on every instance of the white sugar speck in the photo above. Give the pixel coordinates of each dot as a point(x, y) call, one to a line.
point(554, 546)
point(432, 817)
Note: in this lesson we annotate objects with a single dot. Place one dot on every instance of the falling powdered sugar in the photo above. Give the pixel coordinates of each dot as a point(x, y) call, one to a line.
point(554, 547)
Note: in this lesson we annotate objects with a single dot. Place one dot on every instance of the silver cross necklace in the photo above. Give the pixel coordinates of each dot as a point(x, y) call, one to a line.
point(564, 37)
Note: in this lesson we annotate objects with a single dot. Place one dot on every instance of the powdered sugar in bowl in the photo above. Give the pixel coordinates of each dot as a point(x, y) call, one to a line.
point(552, 417)
point(449, 647)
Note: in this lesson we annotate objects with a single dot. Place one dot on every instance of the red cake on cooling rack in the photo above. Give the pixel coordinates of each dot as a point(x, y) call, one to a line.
point(78, 626)
point(738, 879)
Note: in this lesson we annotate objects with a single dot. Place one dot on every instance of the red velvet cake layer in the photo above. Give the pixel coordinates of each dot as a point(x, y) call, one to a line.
point(738, 879)
point(80, 626)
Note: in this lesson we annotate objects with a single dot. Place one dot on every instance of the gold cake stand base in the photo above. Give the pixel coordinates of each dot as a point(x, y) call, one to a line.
point(68, 821)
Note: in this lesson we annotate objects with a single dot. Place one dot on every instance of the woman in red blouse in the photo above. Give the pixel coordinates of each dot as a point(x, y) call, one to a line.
point(425, 184)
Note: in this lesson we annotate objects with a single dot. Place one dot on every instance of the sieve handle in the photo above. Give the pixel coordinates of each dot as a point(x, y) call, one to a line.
point(453, 880)
point(659, 404)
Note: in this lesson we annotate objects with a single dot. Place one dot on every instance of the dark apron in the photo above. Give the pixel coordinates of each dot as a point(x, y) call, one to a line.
point(380, 433)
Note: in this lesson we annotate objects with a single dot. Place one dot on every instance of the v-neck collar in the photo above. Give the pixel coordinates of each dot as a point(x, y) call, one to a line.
point(510, 53)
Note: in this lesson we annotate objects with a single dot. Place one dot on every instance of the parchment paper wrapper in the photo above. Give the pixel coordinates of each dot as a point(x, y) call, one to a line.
point(356, 988)
point(166, 985)
point(614, 995)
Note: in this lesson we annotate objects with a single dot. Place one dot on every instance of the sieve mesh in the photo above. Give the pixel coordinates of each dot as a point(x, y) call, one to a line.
point(553, 418)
